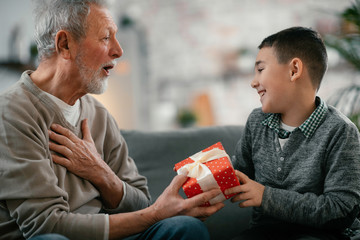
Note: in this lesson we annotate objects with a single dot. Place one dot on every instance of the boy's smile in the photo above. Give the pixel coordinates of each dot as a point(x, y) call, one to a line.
point(271, 81)
point(261, 93)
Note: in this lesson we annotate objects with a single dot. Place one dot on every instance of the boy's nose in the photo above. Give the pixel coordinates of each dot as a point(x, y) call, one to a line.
point(254, 83)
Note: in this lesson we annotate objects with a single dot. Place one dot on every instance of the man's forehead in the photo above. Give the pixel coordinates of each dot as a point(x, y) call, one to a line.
point(100, 18)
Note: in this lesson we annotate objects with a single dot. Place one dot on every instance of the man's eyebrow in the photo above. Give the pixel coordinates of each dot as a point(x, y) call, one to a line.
point(113, 28)
point(109, 29)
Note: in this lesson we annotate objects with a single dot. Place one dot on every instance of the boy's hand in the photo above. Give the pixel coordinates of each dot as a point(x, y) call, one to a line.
point(250, 192)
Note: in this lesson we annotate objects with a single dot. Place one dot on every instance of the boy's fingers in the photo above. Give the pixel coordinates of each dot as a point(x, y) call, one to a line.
point(240, 197)
point(245, 204)
point(243, 178)
point(232, 190)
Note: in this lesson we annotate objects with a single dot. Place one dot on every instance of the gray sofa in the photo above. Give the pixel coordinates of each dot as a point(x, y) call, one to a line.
point(156, 153)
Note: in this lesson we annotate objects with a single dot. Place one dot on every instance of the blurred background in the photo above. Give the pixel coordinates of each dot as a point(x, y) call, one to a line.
point(190, 63)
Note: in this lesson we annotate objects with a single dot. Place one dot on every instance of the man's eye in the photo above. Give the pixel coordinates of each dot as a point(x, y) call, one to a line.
point(106, 38)
point(260, 69)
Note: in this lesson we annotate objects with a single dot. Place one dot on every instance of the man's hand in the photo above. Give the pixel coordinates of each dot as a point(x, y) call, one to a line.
point(80, 157)
point(250, 192)
point(170, 203)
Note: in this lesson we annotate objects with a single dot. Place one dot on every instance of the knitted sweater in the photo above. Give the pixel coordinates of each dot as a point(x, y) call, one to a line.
point(39, 196)
point(312, 181)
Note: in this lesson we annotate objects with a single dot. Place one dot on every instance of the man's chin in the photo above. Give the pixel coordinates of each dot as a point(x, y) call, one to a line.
point(100, 87)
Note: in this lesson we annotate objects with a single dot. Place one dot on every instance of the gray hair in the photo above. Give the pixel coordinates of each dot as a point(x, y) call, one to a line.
point(52, 16)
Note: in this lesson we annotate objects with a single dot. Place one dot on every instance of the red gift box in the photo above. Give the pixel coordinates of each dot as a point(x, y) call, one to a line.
point(208, 169)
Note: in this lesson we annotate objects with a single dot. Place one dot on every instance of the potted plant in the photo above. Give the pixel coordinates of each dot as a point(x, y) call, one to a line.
point(347, 44)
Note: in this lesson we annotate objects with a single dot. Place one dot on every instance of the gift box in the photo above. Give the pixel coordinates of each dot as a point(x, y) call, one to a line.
point(207, 169)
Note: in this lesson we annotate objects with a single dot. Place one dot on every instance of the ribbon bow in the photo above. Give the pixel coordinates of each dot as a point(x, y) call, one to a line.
point(198, 169)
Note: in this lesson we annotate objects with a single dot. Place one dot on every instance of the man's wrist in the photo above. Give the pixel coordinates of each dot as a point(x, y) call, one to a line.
point(111, 189)
point(126, 224)
point(104, 177)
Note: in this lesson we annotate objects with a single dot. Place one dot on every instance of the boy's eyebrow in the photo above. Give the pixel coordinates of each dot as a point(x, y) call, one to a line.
point(258, 62)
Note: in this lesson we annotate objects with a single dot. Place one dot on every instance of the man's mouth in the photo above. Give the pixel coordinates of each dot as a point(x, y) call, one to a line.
point(107, 69)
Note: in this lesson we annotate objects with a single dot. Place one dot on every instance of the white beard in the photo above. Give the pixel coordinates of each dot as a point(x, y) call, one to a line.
point(96, 84)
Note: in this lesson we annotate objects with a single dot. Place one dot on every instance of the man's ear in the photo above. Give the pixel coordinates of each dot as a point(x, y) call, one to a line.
point(62, 41)
point(296, 69)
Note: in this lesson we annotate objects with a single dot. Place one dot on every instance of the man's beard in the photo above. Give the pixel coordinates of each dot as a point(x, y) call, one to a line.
point(96, 84)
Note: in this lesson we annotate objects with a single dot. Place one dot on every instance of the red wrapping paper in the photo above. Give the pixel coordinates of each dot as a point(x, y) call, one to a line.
point(222, 171)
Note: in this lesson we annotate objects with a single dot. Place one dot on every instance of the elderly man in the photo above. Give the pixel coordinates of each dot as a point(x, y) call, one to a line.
point(92, 189)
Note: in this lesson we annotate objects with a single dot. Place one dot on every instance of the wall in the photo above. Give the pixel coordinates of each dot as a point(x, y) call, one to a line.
point(196, 55)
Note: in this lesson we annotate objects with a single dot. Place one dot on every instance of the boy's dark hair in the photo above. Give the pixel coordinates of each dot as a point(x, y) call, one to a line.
point(303, 43)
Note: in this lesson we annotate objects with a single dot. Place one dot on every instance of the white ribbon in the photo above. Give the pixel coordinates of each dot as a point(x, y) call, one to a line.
point(198, 169)
point(202, 173)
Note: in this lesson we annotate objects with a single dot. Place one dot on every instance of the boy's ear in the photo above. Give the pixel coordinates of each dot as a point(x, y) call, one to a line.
point(62, 42)
point(296, 69)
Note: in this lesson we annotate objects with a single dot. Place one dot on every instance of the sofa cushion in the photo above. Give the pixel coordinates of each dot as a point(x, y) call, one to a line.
point(156, 153)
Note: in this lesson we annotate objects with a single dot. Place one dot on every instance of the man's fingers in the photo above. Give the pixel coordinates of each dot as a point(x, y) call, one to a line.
point(203, 219)
point(59, 139)
point(60, 149)
point(204, 197)
point(177, 182)
point(64, 131)
point(216, 207)
point(60, 160)
point(204, 212)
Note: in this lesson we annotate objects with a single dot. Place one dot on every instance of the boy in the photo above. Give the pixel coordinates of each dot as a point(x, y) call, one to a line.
point(299, 158)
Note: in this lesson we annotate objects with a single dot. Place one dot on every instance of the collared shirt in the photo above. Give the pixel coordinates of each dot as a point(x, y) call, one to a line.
point(307, 128)
point(312, 181)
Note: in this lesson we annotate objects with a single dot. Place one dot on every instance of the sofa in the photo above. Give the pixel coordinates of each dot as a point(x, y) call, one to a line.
point(155, 154)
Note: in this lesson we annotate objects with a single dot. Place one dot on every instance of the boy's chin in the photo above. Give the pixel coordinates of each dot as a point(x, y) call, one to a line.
point(268, 110)
point(265, 109)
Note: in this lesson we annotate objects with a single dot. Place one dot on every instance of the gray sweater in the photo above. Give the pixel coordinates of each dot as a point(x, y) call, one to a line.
point(312, 181)
point(39, 196)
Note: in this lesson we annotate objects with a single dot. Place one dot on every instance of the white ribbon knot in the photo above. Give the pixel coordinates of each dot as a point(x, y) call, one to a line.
point(198, 169)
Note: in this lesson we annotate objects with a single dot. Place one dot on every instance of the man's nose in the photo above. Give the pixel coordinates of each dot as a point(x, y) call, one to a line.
point(116, 50)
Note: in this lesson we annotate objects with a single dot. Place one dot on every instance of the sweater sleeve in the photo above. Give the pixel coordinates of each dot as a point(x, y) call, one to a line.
point(241, 159)
point(338, 204)
point(116, 156)
point(29, 184)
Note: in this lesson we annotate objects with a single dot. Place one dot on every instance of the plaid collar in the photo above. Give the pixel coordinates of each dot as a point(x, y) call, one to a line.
point(307, 128)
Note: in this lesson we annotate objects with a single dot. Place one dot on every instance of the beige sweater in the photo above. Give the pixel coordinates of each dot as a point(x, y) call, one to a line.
point(39, 196)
